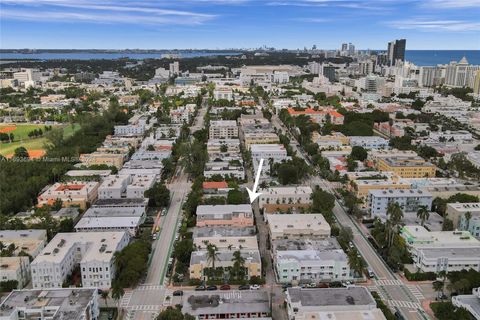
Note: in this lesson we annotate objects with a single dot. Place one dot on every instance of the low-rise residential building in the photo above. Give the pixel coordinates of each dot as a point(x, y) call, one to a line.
point(92, 251)
point(112, 219)
point(435, 251)
point(369, 142)
point(114, 186)
point(333, 140)
point(361, 187)
point(407, 167)
point(297, 226)
point(224, 169)
point(471, 225)
point(215, 188)
point(459, 136)
point(228, 305)
point(200, 262)
point(283, 198)
point(409, 200)
point(446, 192)
point(74, 193)
point(471, 302)
point(225, 238)
point(47, 304)
point(352, 303)
point(239, 215)
point(30, 241)
point(455, 211)
point(223, 93)
point(129, 130)
point(99, 158)
point(260, 137)
point(102, 174)
point(15, 269)
point(307, 261)
point(223, 129)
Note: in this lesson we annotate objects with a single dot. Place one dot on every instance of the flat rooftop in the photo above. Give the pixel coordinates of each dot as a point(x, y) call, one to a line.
point(23, 234)
point(250, 256)
point(221, 232)
point(223, 209)
point(421, 237)
point(287, 190)
point(279, 222)
point(202, 303)
point(126, 202)
point(70, 302)
point(88, 173)
point(305, 244)
point(111, 212)
point(315, 256)
point(323, 297)
point(399, 193)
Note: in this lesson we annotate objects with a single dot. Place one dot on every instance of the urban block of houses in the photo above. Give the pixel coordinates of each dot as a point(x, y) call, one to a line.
point(355, 303)
point(239, 215)
point(320, 116)
point(283, 198)
point(92, 251)
point(435, 251)
point(99, 158)
point(74, 193)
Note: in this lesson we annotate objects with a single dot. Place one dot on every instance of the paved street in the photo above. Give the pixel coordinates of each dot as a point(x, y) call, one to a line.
point(394, 292)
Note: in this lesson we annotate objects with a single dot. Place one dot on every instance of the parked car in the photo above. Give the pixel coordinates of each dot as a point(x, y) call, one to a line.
point(254, 287)
point(177, 293)
point(244, 287)
point(225, 287)
point(371, 274)
point(212, 288)
point(200, 288)
point(312, 285)
point(286, 285)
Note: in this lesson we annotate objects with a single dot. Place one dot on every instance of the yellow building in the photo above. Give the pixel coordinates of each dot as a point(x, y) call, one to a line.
point(200, 263)
point(97, 158)
point(334, 138)
point(260, 138)
point(407, 167)
point(361, 187)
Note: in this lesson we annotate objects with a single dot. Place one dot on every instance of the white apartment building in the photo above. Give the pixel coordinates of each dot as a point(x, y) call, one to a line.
point(471, 302)
point(297, 226)
point(307, 261)
point(435, 251)
point(460, 74)
point(140, 183)
point(223, 169)
point(461, 135)
point(285, 195)
point(369, 142)
point(114, 186)
point(223, 129)
point(93, 251)
point(276, 152)
point(410, 200)
point(48, 304)
point(354, 302)
point(455, 211)
point(129, 130)
point(30, 241)
point(15, 269)
point(223, 93)
point(281, 77)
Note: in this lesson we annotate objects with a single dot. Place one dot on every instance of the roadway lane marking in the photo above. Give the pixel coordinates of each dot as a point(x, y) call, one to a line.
point(404, 304)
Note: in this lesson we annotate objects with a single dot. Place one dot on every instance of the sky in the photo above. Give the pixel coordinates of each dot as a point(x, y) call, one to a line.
point(221, 24)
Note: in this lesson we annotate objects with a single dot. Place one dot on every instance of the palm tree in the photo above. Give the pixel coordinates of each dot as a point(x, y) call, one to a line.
point(104, 295)
point(356, 262)
point(212, 254)
point(117, 291)
point(438, 286)
point(468, 216)
point(394, 217)
point(238, 262)
point(423, 214)
point(230, 247)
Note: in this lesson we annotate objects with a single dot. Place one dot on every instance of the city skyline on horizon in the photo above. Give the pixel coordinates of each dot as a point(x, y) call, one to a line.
point(222, 24)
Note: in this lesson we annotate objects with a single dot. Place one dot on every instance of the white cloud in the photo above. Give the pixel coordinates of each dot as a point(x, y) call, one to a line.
point(437, 25)
point(451, 4)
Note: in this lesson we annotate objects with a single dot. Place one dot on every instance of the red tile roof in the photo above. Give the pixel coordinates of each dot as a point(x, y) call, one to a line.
point(215, 185)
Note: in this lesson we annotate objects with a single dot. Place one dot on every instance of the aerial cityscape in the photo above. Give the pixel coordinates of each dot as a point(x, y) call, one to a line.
point(239, 159)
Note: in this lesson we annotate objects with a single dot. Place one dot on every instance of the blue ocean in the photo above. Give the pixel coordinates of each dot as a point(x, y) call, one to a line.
point(434, 57)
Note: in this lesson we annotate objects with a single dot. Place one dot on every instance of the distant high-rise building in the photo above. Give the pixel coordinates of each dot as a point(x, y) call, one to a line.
point(460, 74)
point(351, 49)
point(476, 85)
point(174, 68)
point(396, 51)
point(344, 46)
point(329, 73)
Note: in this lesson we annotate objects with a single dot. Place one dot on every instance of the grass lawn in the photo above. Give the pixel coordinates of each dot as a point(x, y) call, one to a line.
point(21, 130)
point(30, 143)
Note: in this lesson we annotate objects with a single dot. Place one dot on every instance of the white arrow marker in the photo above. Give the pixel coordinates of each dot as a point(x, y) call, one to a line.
point(254, 194)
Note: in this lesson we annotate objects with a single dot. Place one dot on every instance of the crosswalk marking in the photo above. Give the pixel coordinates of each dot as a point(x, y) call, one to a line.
point(404, 304)
point(388, 282)
point(144, 308)
point(415, 290)
point(126, 299)
point(149, 287)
